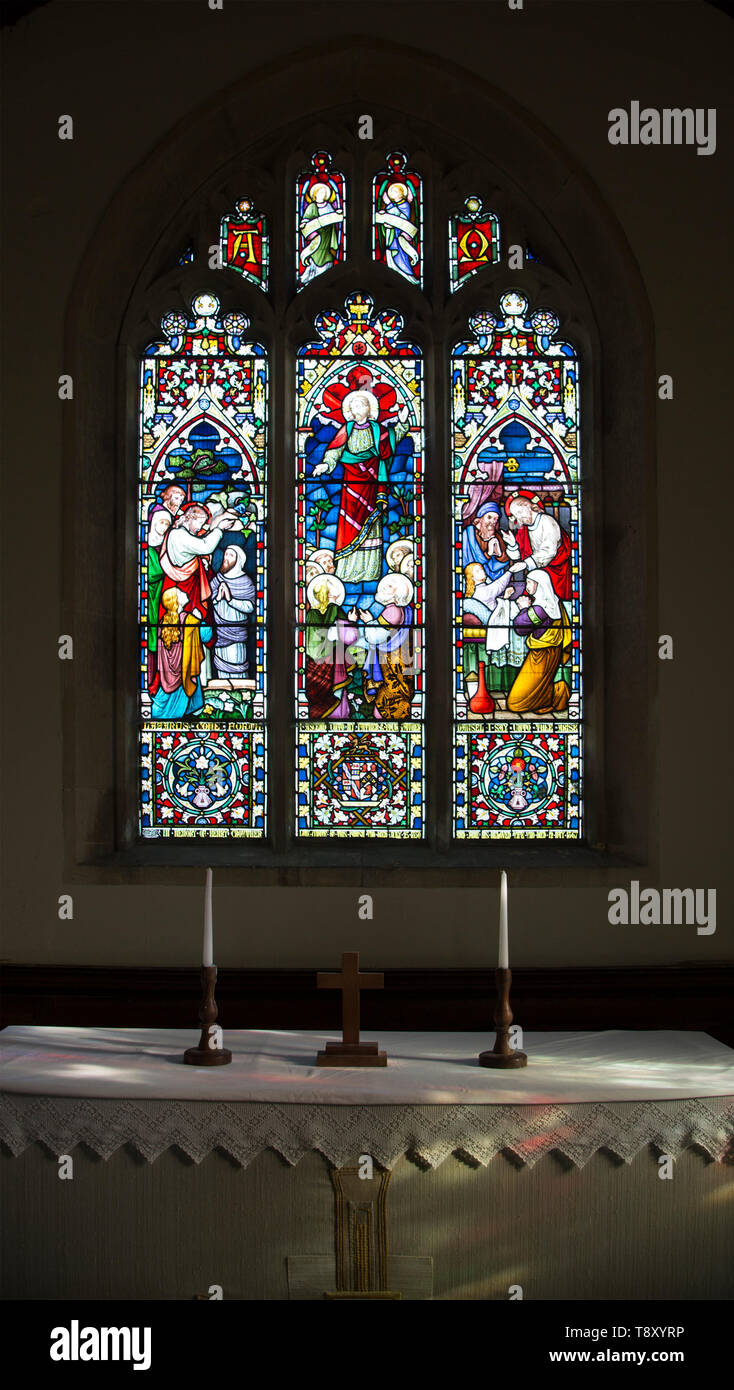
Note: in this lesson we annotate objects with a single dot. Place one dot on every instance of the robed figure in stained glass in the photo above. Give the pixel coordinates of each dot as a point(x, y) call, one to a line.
point(233, 600)
point(330, 659)
point(388, 667)
point(539, 541)
point(363, 446)
point(185, 611)
point(397, 195)
point(544, 624)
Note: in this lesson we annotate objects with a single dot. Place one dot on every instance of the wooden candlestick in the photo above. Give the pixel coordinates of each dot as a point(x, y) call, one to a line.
point(206, 1055)
point(502, 1055)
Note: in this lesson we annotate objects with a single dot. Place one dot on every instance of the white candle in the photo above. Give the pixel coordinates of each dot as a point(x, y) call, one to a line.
point(503, 962)
point(207, 957)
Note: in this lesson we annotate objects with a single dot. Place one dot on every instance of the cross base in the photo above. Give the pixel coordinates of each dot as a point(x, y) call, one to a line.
point(361, 1054)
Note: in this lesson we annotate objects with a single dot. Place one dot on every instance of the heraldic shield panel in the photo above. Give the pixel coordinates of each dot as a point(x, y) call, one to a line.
point(202, 578)
point(359, 578)
point(517, 570)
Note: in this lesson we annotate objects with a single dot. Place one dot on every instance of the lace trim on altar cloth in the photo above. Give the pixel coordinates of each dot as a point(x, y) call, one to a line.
point(428, 1134)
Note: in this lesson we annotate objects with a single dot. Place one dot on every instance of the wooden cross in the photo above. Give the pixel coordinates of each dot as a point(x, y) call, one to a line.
point(350, 1052)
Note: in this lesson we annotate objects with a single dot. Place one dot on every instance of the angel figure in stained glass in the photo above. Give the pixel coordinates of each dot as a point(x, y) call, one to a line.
point(319, 226)
point(399, 229)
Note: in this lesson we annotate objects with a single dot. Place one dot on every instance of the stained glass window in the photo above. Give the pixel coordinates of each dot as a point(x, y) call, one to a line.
point(474, 241)
point(320, 219)
point(510, 745)
point(397, 218)
point(359, 578)
point(201, 594)
point(245, 243)
point(517, 566)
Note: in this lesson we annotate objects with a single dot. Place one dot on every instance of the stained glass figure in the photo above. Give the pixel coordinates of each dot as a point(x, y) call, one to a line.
point(517, 597)
point(397, 216)
point(202, 590)
point(245, 243)
point(320, 219)
point(474, 241)
point(359, 578)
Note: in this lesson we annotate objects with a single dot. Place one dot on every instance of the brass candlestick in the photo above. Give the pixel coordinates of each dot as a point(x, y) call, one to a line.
point(502, 1055)
point(206, 1055)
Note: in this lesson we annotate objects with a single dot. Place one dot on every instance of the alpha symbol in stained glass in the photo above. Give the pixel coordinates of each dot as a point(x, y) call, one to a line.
point(245, 245)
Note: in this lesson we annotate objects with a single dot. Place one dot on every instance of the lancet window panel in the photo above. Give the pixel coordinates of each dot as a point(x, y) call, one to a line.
point(360, 625)
point(202, 517)
point(474, 241)
point(245, 243)
point(397, 218)
point(517, 578)
point(321, 227)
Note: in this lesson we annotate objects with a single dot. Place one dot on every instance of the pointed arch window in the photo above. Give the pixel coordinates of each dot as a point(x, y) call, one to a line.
point(202, 514)
point(366, 664)
point(360, 688)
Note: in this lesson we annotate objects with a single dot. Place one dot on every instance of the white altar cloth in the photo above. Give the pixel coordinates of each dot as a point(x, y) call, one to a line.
point(581, 1092)
point(423, 1068)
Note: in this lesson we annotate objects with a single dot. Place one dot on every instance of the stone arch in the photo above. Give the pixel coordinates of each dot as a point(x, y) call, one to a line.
point(588, 275)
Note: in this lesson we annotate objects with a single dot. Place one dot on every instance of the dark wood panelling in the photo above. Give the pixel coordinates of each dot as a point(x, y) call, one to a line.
point(681, 996)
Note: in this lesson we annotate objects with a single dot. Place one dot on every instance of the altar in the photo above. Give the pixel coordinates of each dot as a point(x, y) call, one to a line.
point(599, 1171)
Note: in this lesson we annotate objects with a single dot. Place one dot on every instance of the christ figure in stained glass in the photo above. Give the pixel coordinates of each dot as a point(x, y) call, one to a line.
point(185, 611)
point(538, 541)
point(364, 448)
